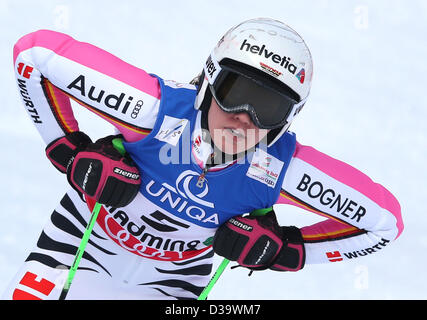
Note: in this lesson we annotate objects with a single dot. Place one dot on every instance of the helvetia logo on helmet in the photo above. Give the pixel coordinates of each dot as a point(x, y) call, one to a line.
point(284, 61)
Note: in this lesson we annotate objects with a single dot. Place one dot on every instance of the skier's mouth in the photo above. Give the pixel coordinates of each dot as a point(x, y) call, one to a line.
point(238, 133)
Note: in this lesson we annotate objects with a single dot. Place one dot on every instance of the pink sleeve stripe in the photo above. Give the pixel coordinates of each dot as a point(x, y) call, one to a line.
point(91, 57)
point(353, 178)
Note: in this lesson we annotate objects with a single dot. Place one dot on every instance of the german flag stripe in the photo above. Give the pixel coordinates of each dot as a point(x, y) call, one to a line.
point(347, 231)
point(306, 206)
point(334, 235)
point(55, 107)
point(111, 119)
point(49, 90)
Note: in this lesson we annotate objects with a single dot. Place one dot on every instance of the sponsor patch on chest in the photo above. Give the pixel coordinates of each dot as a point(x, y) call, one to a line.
point(171, 130)
point(265, 168)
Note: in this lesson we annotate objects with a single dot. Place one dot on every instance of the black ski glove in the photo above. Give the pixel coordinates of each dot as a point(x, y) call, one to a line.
point(259, 243)
point(101, 172)
point(97, 169)
point(61, 151)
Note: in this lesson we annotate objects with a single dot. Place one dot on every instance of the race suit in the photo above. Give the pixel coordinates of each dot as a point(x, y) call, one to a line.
point(159, 246)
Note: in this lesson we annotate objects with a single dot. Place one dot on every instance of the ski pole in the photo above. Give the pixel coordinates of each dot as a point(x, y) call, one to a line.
point(117, 143)
point(80, 251)
point(221, 268)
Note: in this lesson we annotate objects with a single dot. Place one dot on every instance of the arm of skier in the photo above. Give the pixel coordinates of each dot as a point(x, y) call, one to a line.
point(362, 217)
point(51, 68)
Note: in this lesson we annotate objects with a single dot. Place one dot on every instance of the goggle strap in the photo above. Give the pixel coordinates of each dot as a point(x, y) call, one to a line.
point(211, 68)
point(295, 111)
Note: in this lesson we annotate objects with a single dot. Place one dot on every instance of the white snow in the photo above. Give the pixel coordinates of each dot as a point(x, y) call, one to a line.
point(367, 108)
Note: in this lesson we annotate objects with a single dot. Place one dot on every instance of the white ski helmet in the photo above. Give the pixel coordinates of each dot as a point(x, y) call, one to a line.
point(272, 57)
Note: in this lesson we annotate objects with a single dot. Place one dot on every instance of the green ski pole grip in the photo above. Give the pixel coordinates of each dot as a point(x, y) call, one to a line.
point(221, 268)
point(118, 145)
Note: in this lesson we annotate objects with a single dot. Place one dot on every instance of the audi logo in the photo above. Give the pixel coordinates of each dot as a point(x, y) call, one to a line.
point(136, 109)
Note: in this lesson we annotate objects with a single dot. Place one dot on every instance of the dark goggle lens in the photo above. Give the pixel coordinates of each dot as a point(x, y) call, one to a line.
point(236, 93)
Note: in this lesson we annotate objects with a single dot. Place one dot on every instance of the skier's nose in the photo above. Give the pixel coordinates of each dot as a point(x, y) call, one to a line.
point(244, 118)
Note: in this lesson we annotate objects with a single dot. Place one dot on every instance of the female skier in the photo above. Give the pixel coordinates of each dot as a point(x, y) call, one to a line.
point(198, 158)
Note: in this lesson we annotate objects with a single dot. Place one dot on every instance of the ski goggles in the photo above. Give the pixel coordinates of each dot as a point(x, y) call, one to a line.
point(236, 90)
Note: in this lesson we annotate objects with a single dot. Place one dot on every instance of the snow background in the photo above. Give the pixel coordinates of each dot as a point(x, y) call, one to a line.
point(366, 108)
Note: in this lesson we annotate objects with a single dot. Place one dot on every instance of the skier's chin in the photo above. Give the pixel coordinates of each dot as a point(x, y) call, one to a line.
point(233, 143)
